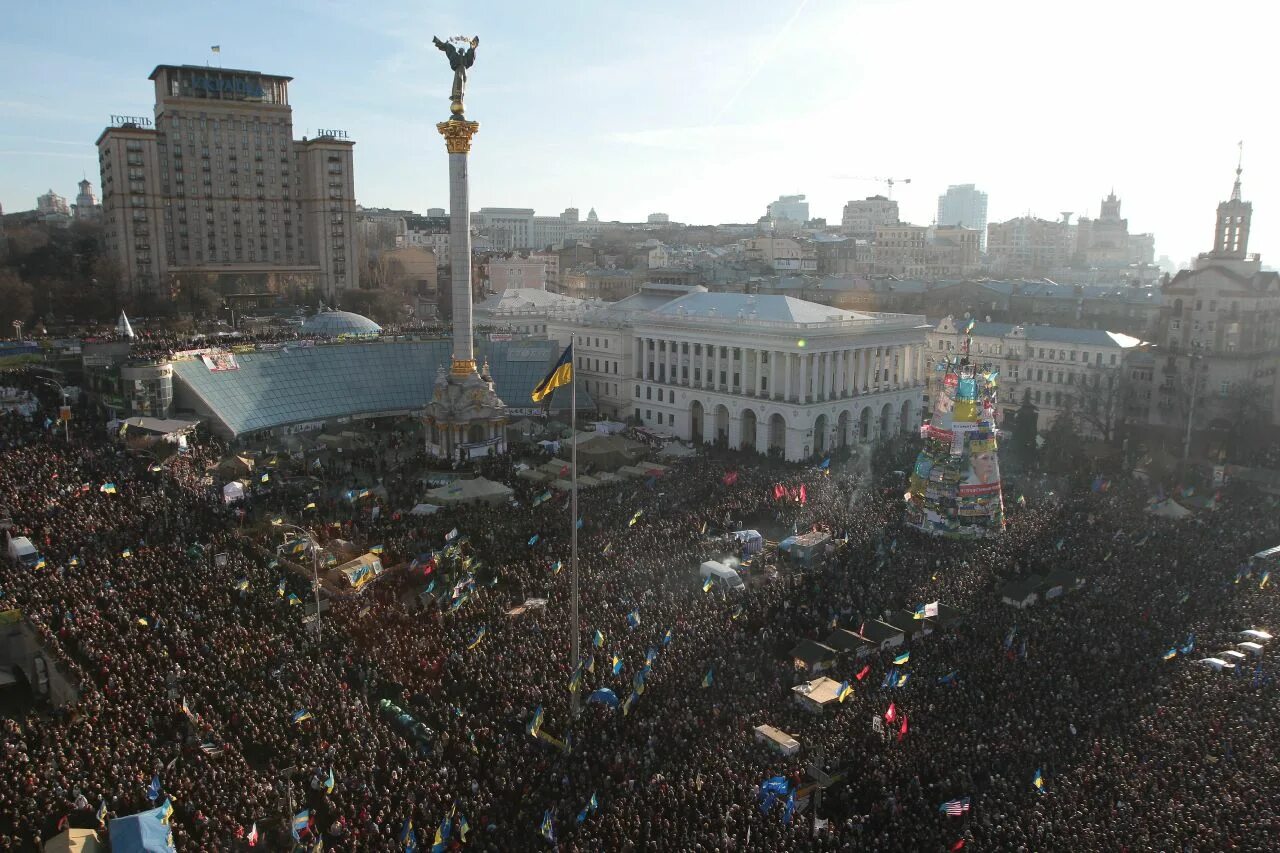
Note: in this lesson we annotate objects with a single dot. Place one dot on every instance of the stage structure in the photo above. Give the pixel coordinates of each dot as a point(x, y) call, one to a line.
point(954, 489)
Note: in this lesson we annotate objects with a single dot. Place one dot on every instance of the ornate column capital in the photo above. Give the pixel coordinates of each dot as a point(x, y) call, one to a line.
point(457, 134)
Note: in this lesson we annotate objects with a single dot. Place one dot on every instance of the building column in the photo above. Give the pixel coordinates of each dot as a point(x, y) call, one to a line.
point(759, 372)
point(786, 377)
point(840, 374)
point(820, 362)
point(804, 378)
point(735, 432)
point(829, 389)
point(637, 362)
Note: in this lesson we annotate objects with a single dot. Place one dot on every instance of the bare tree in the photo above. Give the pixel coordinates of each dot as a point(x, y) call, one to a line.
point(1102, 401)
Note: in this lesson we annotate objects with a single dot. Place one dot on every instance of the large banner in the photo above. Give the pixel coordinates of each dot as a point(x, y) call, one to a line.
point(220, 362)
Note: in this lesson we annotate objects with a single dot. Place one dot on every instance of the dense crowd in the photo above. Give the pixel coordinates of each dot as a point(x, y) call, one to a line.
point(1135, 752)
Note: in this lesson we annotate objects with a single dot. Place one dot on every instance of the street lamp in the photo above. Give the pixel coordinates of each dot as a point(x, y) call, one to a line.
point(315, 566)
point(1191, 410)
point(64, 414)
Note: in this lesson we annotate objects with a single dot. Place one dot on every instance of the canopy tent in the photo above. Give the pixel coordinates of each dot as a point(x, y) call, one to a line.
point(752, 541)
point(235, 466)
point(232, 492)
point(479, 490)
point(526, 427)
point(143, 832)
point(74, 841)
point(534, 475)
point(676, 450)
point(777, 739)
point(609, 427)
point(813, 655)
point(1169, 509)
point(424, 509)
point(609, 451)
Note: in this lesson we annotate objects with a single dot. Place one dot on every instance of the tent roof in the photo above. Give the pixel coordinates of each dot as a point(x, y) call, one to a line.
point(73, 841)
point(141, 833)
point(811, 651)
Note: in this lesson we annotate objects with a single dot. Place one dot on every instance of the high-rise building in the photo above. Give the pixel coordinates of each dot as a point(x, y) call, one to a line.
point(792, 208)
point(217, 185)
point(966, 206)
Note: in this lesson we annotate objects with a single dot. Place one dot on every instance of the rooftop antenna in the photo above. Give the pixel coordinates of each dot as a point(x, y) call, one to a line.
point(1235, 191)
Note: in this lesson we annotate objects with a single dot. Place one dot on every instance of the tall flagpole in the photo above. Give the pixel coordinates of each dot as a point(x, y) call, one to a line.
point(573, 519)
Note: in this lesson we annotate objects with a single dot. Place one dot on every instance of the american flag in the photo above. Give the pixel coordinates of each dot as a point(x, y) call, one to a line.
point(955, 808)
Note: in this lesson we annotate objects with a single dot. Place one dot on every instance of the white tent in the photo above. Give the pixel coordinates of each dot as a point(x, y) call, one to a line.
point(466, 491)
point(424, 509)
point(123, 328)
point(1169, 509)
point(232, 492)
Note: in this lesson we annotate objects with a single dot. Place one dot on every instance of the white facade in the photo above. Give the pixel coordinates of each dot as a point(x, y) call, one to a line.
point(1055, 368)
point(864, 217)
point(772, 373)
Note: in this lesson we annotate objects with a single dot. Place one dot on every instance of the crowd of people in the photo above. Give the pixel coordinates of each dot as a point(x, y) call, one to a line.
point(1065, 725)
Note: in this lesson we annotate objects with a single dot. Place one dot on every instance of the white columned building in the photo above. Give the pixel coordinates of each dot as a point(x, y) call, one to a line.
point(770, 373)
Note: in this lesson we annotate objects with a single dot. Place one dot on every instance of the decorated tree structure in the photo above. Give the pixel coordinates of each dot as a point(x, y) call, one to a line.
point(954, 489)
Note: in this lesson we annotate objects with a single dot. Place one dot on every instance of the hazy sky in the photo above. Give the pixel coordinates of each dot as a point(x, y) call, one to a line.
point(707, 109)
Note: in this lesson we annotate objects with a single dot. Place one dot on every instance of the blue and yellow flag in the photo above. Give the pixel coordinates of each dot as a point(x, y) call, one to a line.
point(617, 664)
point(902, 658)
point(300, 715)
point(598, 640)
point(1038, 781)
point(844, 692)
point(535, 722)
point(561, 374)
point(478, 637)
point(329, 782)
point(376, 549)
point(709, 678)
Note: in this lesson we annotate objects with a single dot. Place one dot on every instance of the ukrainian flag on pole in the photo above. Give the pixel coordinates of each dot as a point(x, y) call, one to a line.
point(561, 374)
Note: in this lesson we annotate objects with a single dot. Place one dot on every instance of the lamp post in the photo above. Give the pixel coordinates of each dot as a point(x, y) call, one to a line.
point(1191, 410)
point(66, 421)
point(315, 567)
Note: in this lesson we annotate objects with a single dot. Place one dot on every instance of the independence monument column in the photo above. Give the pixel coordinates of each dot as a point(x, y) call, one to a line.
point(465, 416)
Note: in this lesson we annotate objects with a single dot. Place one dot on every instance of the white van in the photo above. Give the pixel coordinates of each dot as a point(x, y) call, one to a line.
point(22, 552)
point(721, 574)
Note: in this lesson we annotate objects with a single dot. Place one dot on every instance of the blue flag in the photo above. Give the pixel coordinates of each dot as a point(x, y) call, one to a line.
point(604, 696)
point(153, 790)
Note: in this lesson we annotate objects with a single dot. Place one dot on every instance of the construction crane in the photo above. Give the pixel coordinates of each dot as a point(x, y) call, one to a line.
point(888, 182)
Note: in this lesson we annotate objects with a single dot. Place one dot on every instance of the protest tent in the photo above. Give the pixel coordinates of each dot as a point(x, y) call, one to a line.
point(535, 475)
point(1021, 593)
point(610, 451)
point(947, 616)
point(74, 841)
point(813, 656)
point(1252, 648)
point(882, 634)
point(479, 490)
point(1058, 581)
point(777, 739)
point(676, 450)
point(424, 509)
point(847, 642)
point(906, 622)
point(815, 695)
point(144, 832)
point(232, 492)
point(752, 541)
point(361, 570)
point(1169, 509)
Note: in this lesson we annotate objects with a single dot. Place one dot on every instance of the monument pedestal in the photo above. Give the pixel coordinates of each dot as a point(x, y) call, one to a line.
point(465, 417)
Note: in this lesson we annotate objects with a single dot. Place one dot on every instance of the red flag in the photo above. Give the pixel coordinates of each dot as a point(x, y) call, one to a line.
point(253, 836)
point(891, 714)
point(804, 497)
point(862, 628)
point(902, 731)
point(959, 845)
point(730, 478)
point(564, 470)
point(778, 491)
point(863, 674)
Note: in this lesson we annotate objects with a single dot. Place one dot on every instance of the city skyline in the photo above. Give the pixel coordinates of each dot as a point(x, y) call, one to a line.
point(701, 114)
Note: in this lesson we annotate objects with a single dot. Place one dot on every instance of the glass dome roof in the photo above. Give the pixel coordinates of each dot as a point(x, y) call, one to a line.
point(337, 323)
